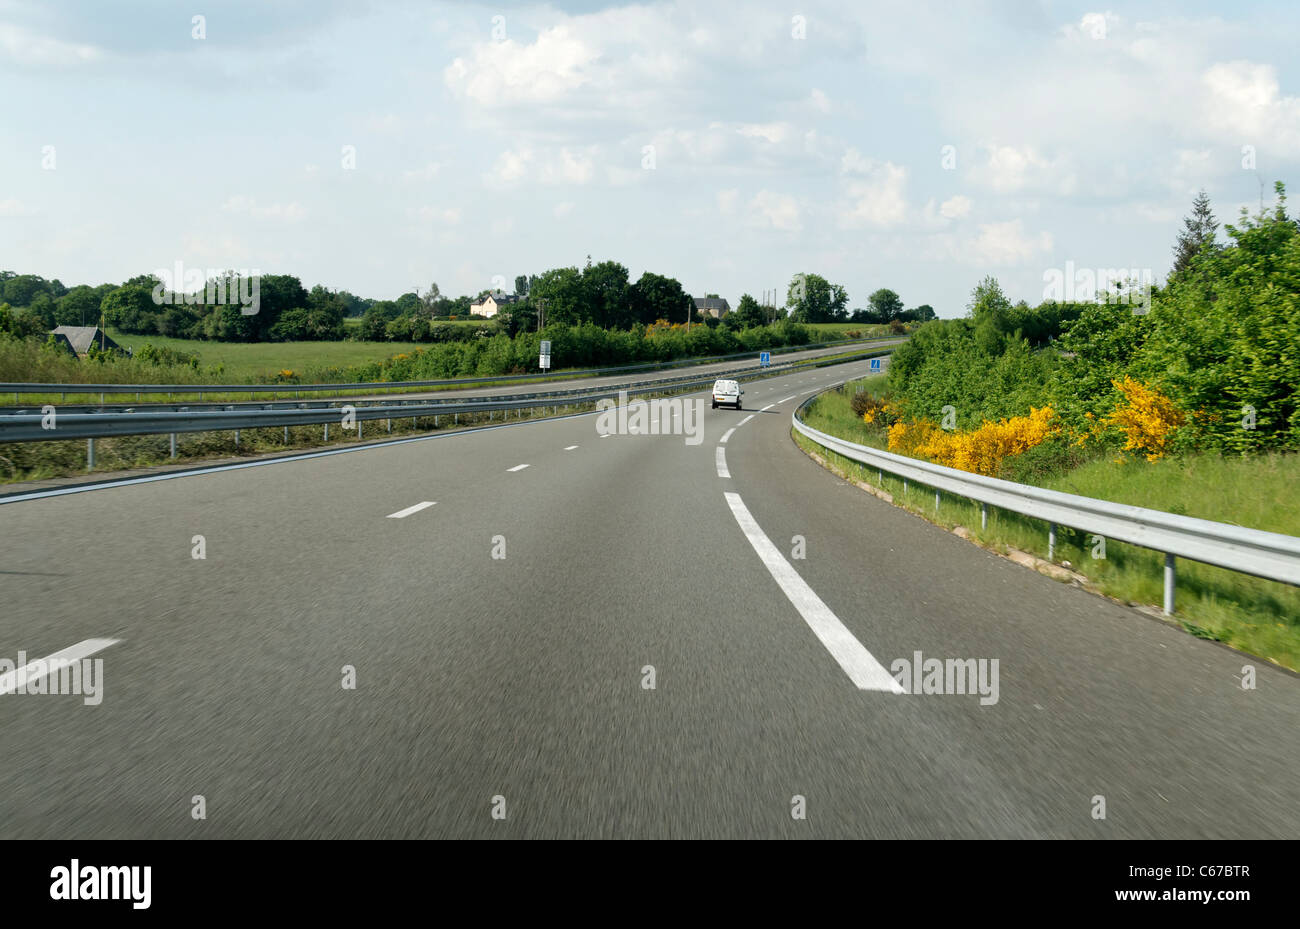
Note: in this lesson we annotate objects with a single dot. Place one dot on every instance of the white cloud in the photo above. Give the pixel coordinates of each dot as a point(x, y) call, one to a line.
point(727, 201)
point(27, 48)
point(505, 73)
point(243, 205)
point(1005, 243)
point(15, 208)
point(562, 209)
point(819, 101)
point(1009, 169)
point(956, 207)
point(875, 192)
point(1245, 103)
point(426, 173)
point(448, 216)
point(775, 211)
point(547, 166)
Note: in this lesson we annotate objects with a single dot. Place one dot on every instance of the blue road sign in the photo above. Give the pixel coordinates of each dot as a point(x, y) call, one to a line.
point(764, 358)
point(875, 365)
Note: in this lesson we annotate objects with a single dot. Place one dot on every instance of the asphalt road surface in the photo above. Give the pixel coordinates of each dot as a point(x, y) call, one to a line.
point(508, 696)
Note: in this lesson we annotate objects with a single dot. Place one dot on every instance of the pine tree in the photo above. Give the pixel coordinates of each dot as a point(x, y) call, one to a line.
point(1198, 230)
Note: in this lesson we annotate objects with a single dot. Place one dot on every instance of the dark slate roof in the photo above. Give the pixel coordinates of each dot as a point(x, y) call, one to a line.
point(62, 342)
point(711, 303)
point(82, 337)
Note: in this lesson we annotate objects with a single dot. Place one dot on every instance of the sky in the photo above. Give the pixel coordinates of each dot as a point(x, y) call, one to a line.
point(382, 145)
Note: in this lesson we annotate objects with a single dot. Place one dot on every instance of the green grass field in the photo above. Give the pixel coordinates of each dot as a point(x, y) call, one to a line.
point(1257, 616)
point(868, 330)
point(252, 359)
point(354, 322)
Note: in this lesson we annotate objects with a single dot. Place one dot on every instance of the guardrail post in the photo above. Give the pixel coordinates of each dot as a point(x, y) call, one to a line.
point(90, 454)
point(173, 443)
point(390, 424)
point(457, 419)
point(236, 438)
point(286, 435)
point(1169, 584)
point(936, 501)
point(904, 485)
point(984, 516)
point(359, 427)
point(1051, 541)
point(327, 432)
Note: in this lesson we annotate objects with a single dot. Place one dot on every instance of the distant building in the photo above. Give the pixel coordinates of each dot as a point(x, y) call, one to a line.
point(492, 303)
point(82, 337)
point(716, 307)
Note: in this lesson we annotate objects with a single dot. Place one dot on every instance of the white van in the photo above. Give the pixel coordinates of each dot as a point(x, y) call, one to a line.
point(726, 393)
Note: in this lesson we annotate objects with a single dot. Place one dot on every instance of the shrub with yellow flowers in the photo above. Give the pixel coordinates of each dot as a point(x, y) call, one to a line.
point(1147, 418)
point(980, 451)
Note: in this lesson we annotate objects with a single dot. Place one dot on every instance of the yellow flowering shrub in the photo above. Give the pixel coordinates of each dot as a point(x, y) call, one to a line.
point(1147, 417)
point(980, 451)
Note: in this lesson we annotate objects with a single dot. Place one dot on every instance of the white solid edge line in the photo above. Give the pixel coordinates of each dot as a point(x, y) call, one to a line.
point(745, 420)
point(402, 514)
point(726, 435)
point(16, 679)
point(569, 448)
point(858, 663)
point(517, 467)
point(721, 459)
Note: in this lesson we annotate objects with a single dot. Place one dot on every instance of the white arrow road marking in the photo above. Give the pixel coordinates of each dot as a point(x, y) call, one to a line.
point(726, 435)
point(15, 680)
point(517, 468)
point(722, 462)
point(858, 663)
point(402, 514)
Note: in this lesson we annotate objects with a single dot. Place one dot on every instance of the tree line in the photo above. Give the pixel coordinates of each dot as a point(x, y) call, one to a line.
point(601, 294)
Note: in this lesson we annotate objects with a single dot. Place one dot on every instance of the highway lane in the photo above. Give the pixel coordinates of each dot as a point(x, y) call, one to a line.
point(521, 678)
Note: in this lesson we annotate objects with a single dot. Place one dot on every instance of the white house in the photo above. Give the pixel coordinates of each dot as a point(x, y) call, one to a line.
point(492, 303)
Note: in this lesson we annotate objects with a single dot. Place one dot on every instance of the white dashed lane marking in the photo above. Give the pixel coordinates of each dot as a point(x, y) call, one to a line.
point(860, 665)
point(402, 514)
point(517, 467)
point(721, 460)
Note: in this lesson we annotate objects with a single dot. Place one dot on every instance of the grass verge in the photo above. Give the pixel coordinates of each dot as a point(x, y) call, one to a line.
point(1257, 616)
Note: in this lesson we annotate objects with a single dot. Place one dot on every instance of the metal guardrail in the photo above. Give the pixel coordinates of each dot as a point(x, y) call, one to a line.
point(200, 389)
point(1269, 555)
point(35, 427)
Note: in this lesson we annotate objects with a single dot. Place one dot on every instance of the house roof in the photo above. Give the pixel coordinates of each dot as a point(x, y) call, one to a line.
point(711, 303)
point(82, 337)
point(62, 342)
point(498, 298)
